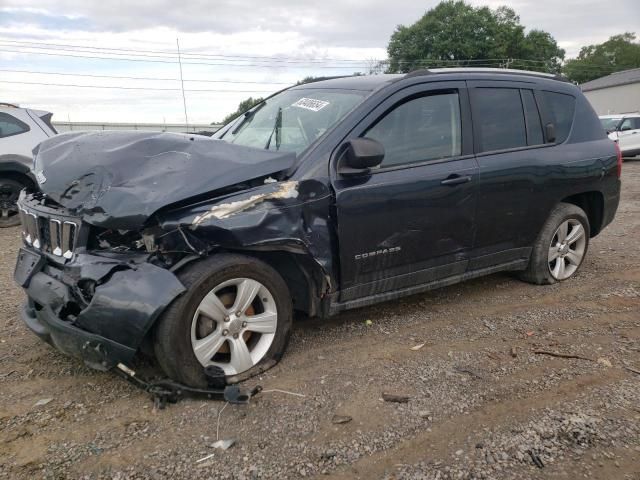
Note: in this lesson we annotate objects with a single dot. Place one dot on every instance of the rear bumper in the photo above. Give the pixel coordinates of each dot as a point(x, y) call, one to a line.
point(611, 202)
point(108, 327)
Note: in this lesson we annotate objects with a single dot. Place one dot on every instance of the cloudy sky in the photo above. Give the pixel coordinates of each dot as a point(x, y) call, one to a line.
point(232, 49)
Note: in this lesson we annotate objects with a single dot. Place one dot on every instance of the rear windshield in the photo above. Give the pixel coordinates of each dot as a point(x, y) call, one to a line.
point(561, 108)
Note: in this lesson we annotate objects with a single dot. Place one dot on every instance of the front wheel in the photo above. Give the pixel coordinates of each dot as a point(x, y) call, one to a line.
point(560, 247)
point(236, 315)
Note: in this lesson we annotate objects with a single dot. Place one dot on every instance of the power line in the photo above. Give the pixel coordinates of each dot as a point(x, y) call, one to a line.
point(120, 87)
point(175, 62)
point(166, 54)
point(226, 58)
point(185, 54)
point(140, 78)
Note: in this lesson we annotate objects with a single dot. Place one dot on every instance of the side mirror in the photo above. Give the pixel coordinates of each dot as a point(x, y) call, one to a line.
point(359, 156)
point(550, 131)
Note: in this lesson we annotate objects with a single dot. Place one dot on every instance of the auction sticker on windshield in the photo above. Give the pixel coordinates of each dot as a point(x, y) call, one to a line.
point(311, 104)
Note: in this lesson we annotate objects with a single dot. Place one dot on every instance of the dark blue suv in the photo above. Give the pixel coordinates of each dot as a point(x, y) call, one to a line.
point(324, 197)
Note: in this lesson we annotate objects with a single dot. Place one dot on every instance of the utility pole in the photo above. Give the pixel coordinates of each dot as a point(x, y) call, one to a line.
point(184, 99)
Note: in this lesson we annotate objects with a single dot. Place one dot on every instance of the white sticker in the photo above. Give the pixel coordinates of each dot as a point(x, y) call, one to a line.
point(310, 104)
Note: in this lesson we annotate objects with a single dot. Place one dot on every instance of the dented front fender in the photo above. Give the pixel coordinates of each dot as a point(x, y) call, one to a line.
point(291, 216)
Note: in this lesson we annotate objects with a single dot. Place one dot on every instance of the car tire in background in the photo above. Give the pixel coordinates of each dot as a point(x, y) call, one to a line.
point(235, 315)
point(10, 188)
point(560, 247)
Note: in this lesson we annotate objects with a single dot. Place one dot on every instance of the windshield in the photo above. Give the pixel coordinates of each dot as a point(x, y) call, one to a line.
point(293, 119)
point(610, 124)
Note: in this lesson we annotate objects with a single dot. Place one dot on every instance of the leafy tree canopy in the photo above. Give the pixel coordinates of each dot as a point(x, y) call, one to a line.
point(243, 106)
point(620, 52)
point(455, 33)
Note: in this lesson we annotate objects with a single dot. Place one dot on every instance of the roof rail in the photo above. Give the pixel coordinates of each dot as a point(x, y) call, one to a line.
point(418, 73)
point(503, 71)
point(4, 104)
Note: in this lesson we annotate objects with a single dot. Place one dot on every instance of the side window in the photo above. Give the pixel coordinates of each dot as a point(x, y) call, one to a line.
point(421, 129)
point(532, 117)
point(500, 119)
point(11, 126)
point(561, 108)
point(632, 123)
point(627, 124)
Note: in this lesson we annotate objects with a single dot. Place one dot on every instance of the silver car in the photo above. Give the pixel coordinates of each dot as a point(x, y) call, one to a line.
point(21, 129)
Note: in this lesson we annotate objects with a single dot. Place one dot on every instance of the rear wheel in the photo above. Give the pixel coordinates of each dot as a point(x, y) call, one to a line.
point(560, 247)
point(9, 191)
point(236, 315)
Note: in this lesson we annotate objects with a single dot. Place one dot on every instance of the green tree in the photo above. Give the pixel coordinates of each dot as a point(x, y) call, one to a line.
point(620, 52)
point(455, 33)
point(243, 106)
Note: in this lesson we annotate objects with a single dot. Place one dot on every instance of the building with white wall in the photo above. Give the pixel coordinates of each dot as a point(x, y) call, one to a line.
point(615, 93)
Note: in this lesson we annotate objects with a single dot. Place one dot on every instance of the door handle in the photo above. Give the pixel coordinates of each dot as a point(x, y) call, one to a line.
point(455, 180)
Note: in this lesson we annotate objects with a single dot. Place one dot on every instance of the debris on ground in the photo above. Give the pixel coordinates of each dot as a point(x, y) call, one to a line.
point(562, 355)
point(340, 419)
point(605, 362)
point(224, 444)
point(395, 398)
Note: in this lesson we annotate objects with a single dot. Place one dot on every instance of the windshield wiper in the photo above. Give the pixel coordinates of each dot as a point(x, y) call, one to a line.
point(248, 116)
point(277, 129)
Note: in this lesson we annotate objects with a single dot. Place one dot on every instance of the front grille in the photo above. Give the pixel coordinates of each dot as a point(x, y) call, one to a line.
point(48, 232)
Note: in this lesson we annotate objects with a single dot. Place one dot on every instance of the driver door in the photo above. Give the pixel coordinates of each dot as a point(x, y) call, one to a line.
point(411, 220)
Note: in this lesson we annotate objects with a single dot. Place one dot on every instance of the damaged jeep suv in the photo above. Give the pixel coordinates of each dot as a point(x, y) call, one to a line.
point(324, 197)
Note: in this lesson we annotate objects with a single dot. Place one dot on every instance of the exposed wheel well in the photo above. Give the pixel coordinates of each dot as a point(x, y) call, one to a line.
point(21, 177)
point(303, 276)
point(593, 205)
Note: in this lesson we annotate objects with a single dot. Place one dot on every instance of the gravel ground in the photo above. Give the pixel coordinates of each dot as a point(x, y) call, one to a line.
point(485, 399)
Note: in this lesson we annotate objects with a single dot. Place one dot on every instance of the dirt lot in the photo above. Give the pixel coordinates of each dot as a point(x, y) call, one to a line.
point(483, 403)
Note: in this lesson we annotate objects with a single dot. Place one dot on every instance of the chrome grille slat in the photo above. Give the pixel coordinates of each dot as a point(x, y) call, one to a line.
point(33, 237)
point(69, 231)
point(45, 232)
point(54, 236)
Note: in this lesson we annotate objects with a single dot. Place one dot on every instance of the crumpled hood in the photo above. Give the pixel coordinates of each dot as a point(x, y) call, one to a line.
point(119, 179)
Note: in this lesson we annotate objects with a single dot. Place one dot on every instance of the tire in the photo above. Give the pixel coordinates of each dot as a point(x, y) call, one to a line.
point(543, 269)
point(185, 327)
point(10, 188)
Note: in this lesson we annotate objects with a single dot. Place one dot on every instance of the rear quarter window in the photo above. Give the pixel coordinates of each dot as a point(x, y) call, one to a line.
point(561, 108)
point(10, 126)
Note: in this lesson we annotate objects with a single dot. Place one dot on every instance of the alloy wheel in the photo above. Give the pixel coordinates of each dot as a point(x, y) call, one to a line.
point(234, 325)
point(567, 249)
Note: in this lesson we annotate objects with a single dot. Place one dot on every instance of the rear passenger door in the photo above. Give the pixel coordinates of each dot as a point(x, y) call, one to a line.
point(509, 143)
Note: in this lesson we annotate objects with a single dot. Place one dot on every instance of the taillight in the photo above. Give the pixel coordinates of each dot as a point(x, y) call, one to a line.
point(619, 156)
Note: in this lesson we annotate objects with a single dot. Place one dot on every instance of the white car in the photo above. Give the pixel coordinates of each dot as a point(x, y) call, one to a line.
point(21, 129)
point(624, 129)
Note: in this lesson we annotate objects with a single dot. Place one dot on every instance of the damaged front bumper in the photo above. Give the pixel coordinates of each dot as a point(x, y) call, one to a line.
point(96, 308)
